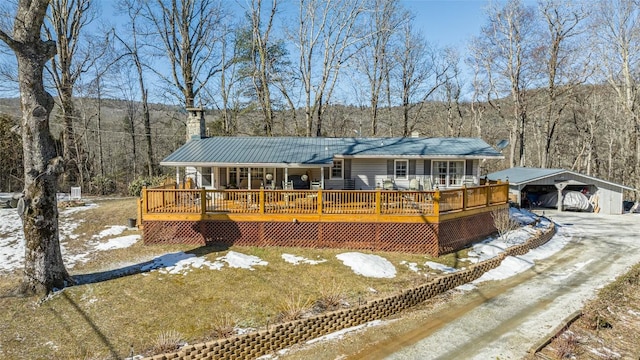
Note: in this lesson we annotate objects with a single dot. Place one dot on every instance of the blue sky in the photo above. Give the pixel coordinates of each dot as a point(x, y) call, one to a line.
point(448, 22)
point(443, 23)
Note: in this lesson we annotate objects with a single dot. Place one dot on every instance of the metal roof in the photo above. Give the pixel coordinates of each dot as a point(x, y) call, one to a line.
point(524, 175)
point(318, 152)
point(519, 175)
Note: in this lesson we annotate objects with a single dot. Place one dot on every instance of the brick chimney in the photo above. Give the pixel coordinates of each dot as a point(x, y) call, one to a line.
point(195, 123)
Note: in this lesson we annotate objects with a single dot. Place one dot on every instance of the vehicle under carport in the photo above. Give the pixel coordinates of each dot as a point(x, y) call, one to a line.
point(526, 185)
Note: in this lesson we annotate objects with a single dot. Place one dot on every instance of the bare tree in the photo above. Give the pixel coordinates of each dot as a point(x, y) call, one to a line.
point(187, 33)
point(477, 104)
point(222, 92)
point(616, 30)
point(133, 51)
point(44, 269)
point(561, 62)
point(67, 20)
point(420, 72)
point(504, 223)
point(383, 21)
point(11, 176)
point(504, 50)
point(131, 111)
point(262, 56)
point(452, 92)
point(326, 38)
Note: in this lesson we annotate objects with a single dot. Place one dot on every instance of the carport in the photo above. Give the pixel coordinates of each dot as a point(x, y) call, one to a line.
point(605, 196)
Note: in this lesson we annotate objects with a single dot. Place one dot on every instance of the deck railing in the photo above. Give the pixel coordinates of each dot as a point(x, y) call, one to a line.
point(381, 202)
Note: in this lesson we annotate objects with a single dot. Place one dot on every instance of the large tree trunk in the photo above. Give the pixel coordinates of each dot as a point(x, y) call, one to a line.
point(44, 269)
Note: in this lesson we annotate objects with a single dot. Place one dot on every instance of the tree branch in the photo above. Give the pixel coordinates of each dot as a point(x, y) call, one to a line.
point(9, 41)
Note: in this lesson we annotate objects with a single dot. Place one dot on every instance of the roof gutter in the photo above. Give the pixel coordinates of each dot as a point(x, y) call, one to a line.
point(448, 157)
point(249, 165)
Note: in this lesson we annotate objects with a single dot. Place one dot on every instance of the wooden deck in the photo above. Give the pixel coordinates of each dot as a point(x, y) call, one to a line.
point(433, 222)
point(322, 205)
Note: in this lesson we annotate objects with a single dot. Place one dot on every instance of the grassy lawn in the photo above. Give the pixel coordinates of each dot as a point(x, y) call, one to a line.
point(113, 318)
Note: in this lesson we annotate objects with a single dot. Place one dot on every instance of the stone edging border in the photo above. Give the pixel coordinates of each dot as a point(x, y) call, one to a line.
point(280, 336)
point(564, 325)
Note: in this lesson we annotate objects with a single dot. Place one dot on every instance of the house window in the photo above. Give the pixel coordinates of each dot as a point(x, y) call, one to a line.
point(257, 173)
point(456, 173)
point(402, 169)
point(337, 169)
point(448, 173)
point(440, 172)
point(233, 177)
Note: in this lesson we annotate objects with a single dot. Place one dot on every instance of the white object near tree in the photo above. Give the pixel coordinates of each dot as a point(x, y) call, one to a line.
point(76, 193)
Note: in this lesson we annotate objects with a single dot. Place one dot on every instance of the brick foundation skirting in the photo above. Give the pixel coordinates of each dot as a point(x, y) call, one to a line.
point(280, 336)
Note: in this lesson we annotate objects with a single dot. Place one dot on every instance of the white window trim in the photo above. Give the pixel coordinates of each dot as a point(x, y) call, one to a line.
point(395, 169)
point(436, 174)
point(331, 177)
point(464, 171)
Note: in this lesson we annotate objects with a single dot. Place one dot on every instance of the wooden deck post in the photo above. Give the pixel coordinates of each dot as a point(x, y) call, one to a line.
point(203, 201)
point(378, 201)
point(436, 202)
point(319, 200)
point(488, 190)
point(139, 217)
point(261, 200)
point(506, 191)
point(145, 200)
point(465, 197)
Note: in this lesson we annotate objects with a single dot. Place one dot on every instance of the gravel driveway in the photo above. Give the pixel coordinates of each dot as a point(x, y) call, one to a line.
point(505, 319)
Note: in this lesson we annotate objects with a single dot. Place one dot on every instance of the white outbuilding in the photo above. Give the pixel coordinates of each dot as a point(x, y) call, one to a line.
point(534, 186)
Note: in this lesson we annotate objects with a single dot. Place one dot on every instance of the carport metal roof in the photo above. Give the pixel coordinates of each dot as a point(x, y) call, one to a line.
point(523, 175)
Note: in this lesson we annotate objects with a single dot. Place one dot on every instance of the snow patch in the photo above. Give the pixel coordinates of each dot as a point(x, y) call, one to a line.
point(111, 231)
point(440, 267)
point(238, 260)
point(295, 260)
point(183, 263)
point(510, 266)
point(514, 265)
point(180, 263)
point(524, 217)
point(340, 333)
point(368, 265)
point(411, 265)
point(118, 243)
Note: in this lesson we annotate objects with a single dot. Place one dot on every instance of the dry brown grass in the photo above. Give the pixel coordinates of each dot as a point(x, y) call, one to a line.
point(294, 307)
point(566, 346)
point(223, 326)
point(167, 341)
point(331, 296)
point(109, 318)
point(609, 327)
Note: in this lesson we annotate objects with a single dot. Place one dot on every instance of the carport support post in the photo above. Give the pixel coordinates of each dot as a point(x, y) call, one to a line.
point(560, 186)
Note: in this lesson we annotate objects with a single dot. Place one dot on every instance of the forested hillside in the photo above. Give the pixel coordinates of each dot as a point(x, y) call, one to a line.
point(558, 79)
point(589, 137)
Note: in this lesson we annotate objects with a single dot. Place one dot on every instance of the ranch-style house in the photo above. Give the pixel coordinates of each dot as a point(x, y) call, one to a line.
point(412, 194)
